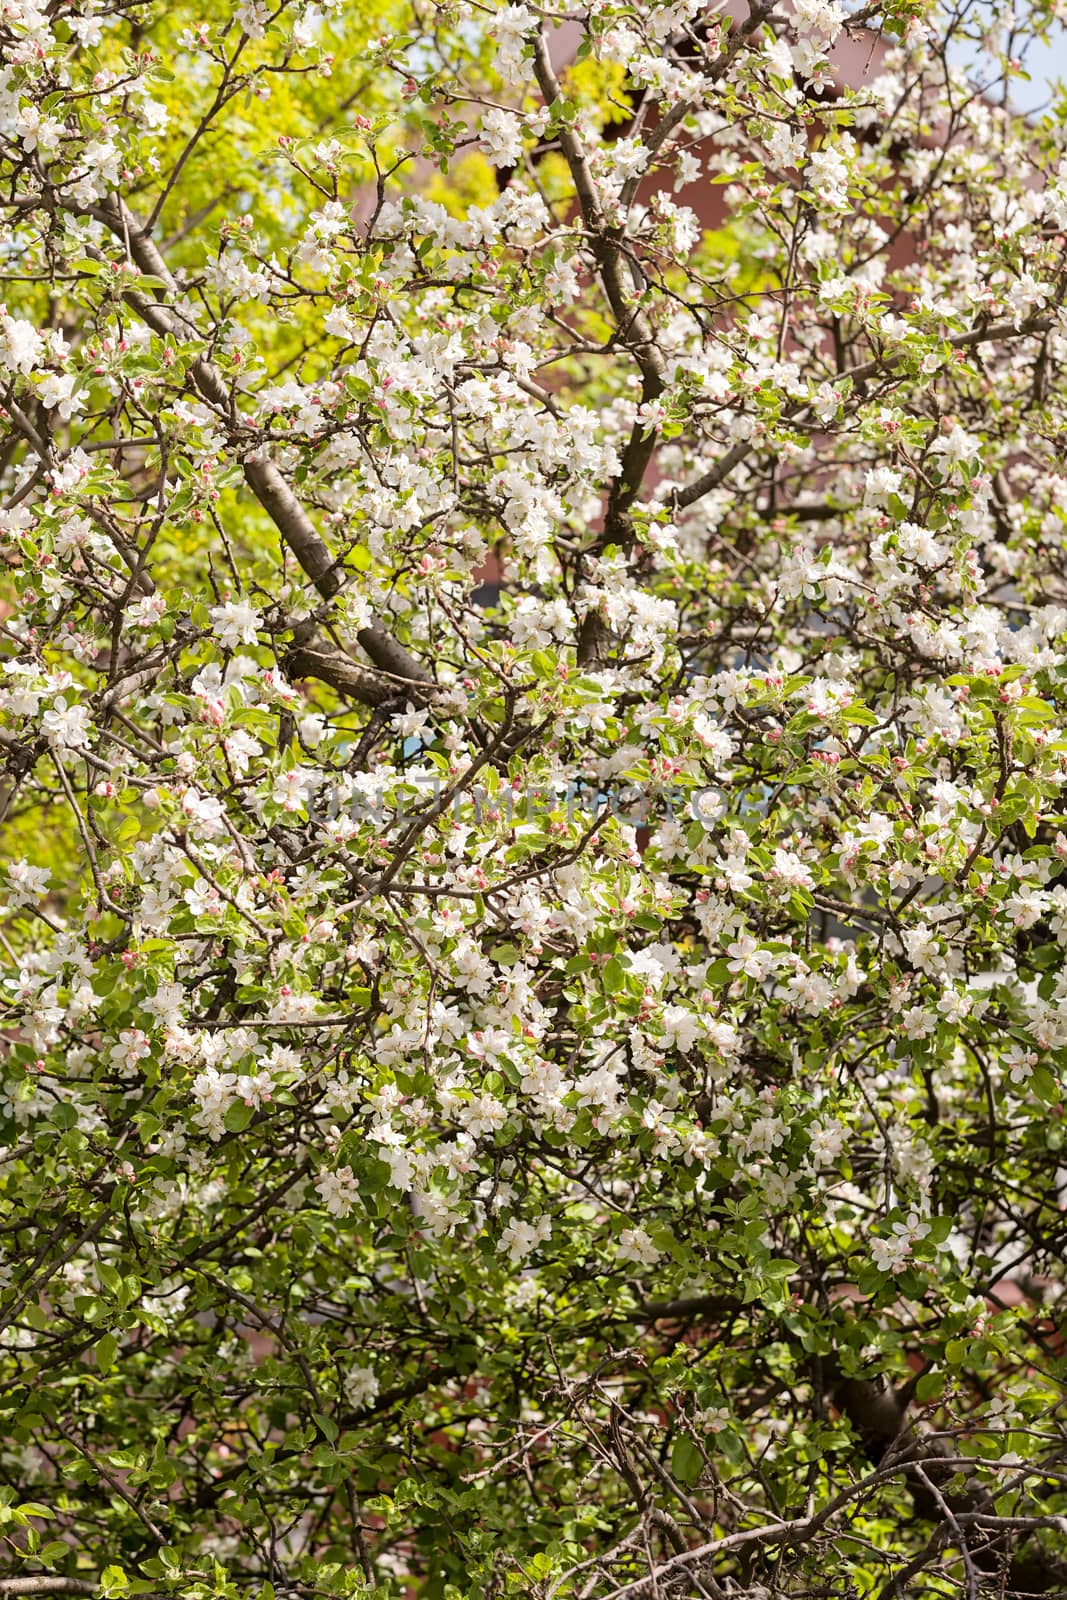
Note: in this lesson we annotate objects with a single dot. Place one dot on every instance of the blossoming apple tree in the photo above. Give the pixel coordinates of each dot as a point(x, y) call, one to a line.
point(554, 1091)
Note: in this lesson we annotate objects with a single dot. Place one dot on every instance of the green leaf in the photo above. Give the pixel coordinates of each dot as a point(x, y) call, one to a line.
point(238, 1117)
point(111, 1280)
point(326, 1425)
point(687, 1462)
point(930, 1386)
point(105, 1352)
point(614, 975)
point(1044, 1085)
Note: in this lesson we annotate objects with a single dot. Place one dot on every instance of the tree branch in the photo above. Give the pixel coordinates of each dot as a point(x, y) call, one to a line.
point(877, 367)
point(48, 1583)
point(348, 677)
point(261, 474)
